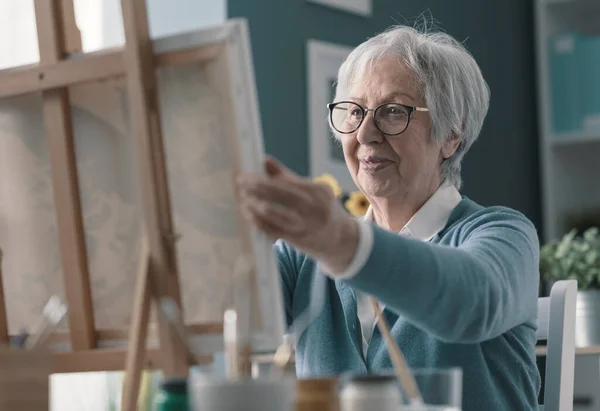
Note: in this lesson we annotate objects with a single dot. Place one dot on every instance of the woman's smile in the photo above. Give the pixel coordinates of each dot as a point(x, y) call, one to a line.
point(372, 164)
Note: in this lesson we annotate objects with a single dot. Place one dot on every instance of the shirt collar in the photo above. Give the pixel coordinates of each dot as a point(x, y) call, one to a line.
point(433, 216)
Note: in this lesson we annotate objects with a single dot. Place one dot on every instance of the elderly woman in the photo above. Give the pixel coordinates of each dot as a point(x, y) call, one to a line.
point(458, 281)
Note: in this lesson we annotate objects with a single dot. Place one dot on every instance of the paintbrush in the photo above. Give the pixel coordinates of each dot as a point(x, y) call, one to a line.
point(170, 310)
point(239, 334)
point(230, 337)
point(405, 377)
point(285, 352)
point(282, 359)
point(53, 313)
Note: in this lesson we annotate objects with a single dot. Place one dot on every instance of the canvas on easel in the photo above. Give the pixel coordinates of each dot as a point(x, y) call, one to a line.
point(197, 114)
point(208, 126)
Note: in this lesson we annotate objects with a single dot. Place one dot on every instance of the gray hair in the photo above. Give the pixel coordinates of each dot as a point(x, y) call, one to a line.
point(448, 76)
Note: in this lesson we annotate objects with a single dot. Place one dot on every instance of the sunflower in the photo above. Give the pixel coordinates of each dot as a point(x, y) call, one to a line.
point(357, 204)
point(330, 181)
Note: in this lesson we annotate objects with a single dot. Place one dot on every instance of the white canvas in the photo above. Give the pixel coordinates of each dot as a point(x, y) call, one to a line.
point(205, 109)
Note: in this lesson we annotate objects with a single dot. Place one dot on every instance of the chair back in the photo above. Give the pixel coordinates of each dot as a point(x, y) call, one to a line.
point(556, 325)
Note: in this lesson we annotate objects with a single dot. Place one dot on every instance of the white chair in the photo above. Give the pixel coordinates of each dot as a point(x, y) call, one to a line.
point(556, 324)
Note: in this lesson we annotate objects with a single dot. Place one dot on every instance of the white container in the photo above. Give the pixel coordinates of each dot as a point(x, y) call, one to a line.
point(242, 395)
point(369, 393)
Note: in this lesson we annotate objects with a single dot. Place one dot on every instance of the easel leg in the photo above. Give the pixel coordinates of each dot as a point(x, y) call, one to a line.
point(71, 33)
point(136, 349)
point(65, 182)
point(146, 131)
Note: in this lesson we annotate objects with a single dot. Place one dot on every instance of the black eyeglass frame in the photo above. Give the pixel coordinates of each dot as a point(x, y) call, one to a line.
point(365, 111)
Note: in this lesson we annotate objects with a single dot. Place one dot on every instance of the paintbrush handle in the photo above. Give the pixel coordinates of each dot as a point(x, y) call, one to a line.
point(52, 315)
point(230, 339)
point(170, 310)
point(183, 336)
point(405, 377)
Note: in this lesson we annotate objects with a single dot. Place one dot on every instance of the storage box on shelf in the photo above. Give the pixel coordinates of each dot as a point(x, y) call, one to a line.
point(574, 60)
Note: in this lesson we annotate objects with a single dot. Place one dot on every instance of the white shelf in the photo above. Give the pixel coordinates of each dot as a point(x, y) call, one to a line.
point(561, 2)
point(581, 137)
point(568, 161)
point(572, 4)
point(579, 14)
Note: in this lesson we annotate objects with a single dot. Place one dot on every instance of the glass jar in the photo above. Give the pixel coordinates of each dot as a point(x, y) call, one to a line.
point(370, 392)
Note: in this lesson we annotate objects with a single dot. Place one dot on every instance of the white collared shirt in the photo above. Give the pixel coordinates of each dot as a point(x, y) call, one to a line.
point(429, 220)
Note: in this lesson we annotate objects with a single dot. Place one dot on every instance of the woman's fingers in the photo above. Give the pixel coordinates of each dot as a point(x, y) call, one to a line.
point(289, 194)
point(284, 205)
point(299, 211)
point(276, 169)
point(278, 218)
point(261, 224)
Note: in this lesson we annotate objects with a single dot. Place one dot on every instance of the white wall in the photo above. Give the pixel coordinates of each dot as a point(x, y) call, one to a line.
point(100, 23)
point(18, 39)
point(166, 17)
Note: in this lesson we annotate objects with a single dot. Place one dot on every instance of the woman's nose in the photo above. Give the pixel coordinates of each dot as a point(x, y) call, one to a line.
point(368, 133)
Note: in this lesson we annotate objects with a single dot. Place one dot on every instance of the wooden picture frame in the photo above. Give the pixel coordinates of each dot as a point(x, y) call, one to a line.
point(147, 90)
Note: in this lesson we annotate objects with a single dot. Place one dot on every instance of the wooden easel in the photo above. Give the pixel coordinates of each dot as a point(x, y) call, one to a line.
point(157, 275)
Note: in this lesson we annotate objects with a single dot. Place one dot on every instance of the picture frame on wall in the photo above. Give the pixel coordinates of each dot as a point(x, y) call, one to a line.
point(326, 156)
point(359, 7)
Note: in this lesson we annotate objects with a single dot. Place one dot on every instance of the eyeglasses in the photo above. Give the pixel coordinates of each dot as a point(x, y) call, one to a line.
point(390, 118)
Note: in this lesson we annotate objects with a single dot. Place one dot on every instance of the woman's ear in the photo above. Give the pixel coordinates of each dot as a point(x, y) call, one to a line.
point(450, 146)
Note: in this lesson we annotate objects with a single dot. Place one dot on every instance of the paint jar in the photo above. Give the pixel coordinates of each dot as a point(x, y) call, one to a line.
point(317, 394)
point(370, 392)
point(172, 395)
point(242, 395)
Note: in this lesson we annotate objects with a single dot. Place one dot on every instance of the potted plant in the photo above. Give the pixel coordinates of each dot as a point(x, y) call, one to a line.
point(577, 257)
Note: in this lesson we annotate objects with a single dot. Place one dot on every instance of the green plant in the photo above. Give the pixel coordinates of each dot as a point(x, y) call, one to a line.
point(574, 257)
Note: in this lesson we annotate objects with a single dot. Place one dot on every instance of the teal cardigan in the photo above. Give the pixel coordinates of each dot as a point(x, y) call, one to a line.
point(467, 298)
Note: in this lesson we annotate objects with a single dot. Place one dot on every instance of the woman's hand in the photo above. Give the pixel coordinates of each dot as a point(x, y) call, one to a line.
point(305, 214)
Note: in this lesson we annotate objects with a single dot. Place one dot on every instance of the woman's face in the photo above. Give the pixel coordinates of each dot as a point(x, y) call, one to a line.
point(392, 166)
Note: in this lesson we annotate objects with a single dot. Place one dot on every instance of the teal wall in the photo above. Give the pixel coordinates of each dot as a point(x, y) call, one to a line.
point(501, 168)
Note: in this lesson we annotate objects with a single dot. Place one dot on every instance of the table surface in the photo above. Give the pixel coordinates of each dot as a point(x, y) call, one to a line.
point(540, 351)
